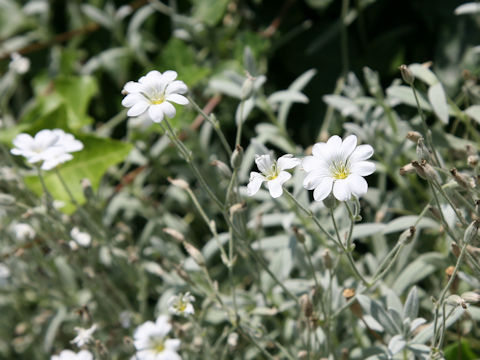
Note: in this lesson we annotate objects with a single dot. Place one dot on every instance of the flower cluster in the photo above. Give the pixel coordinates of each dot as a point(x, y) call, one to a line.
point(336, 167)
point(51, 147)
point(155, 92)
point(151, 342)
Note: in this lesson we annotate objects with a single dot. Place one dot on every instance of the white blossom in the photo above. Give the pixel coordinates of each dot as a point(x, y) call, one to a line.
point(23, 231)
point(53, 147)
point(151, 342)
point(70, 355)
point(155, 93)
point(273, 172)
point(81, 238)
point(338, 166)
point(181, 304)
point(4, 271)
point(84, 336)
point(19, 63)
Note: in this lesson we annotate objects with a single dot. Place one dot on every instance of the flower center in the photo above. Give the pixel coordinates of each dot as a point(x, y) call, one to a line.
point(157, 100)
point(272, 174)
point(158, 346)
point(340, 171)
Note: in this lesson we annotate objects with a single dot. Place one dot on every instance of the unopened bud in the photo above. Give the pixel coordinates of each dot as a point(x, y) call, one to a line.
point(307, 306)
point(174, 233)
point(407, 236)
point(459, 178)
point(194, 253)
point(237, 208)
point(430, 172)
point(422, 151)
point(237, 157)
point(182, 184)
point(472, 160)
point(87, 189)
point(456, 300)
point(419, 169)
point(471, 231)
point(222, 168)
point(348, 293)
point(407, 74)
point(327, 259)
point(247, 87)
point(414, 136)
point(330, 202)
point(406, 169)
point(299, 235)
point(471, 297)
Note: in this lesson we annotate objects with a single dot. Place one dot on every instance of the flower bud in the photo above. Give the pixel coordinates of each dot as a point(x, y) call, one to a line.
point(174, 233)
point(237, 208)
point(247, 87)
point(472, 160)
point(327, 259)
point(407, 236)
point(330, 202)
point(237, 157)
point(419, 169)
point(182, 184)
point(307, 306)
point(87, 189)
point(196, 255)
point(406, 169)
point(222, 168)
point(414, 136)
point(456, 300)
point(407, 74)
point(471, 231)
point(299, 235)
point(471, 297)
point(459, 178)
point(422, 151)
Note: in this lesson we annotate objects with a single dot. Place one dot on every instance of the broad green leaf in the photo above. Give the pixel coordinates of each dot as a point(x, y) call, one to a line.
point(411, 305)
point(383, 317)
point(405, 95)
point(287, 96)
point(341, 103)
point(437, 98)
point(209, 12)
point(474, 112)
point(460, 350)
point(423, 73)
point(91, 163)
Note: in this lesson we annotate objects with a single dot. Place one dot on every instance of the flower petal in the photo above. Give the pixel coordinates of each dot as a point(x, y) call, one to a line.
point(319, 149)
point(177, 98)
point(156, 113)
point(275, 185)
point(314, 178)
point(362, 168)
point(357, 184)
point(348, 146)
point(335, 142)
point(132, 99)
point(287, 162)
point(256, 181)
point(323, 189)
point(138, 108)
point(176, 87)
point(341, 190)
point(132, 87)
point(168, 109)
point(22, 141)
point(264, 163)
point(168, 76)
point(362, 152)
point(172, 344)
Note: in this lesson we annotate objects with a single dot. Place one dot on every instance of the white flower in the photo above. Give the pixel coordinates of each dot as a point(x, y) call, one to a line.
point(81, 238)
point(18, 63)
point(53, 147)
point(151, 343)
point(23, 231)
point(338, 166)
point(84, 336)
point(272, 172)
point(155, 92)
point(181, 304)
point(70, 355)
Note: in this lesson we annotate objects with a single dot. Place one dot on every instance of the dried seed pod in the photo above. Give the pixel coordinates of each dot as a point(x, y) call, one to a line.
point(414, 136)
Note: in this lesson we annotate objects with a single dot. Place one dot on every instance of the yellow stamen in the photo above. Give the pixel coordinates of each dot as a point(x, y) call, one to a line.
point(157, 101)
point(159, 347)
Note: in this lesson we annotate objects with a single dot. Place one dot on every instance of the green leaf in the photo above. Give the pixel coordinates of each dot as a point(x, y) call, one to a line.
point(411, 305)
point(437, 98)
point(210, 12)
point(474, 112)
point(405, 95)
point(423, 73)
point(91, 163)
